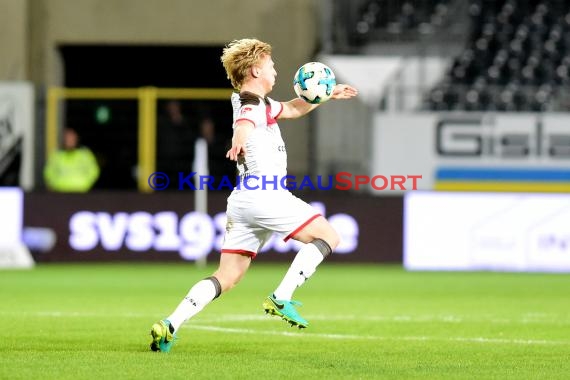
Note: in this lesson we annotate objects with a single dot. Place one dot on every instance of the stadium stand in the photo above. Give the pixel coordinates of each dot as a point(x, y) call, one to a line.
point(378, 18)
point(517, 58)
point(514, 55)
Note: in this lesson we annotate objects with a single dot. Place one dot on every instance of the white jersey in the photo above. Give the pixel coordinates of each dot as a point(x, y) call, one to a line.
point(253, 215)
point(266, 155)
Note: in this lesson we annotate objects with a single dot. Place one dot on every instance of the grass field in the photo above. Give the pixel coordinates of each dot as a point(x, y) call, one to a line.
point(367, 322)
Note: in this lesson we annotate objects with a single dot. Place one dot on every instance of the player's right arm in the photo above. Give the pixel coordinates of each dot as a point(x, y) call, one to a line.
point(298, 107)
point(242, 130)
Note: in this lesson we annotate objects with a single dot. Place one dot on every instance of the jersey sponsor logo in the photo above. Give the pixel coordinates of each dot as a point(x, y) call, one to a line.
point(245, 110)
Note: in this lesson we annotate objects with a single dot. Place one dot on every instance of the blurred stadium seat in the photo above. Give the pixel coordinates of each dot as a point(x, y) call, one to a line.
point(395, 17)
point(517, 58)
point(509, 55)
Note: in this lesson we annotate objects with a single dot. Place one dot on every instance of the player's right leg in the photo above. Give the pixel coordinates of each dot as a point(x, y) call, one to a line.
point(231, 269)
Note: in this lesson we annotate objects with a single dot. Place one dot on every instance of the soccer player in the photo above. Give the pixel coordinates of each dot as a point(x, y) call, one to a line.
point(254, 212)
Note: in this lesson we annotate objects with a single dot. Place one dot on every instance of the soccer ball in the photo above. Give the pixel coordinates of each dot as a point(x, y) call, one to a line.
point(314, 82)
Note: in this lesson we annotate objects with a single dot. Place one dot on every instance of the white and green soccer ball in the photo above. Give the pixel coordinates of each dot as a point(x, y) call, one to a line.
point(314, 82)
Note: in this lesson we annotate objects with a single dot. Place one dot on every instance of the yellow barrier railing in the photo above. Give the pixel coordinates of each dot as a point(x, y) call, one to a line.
point(147, 98)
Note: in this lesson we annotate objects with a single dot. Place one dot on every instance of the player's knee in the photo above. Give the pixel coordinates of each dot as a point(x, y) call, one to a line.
point(324, 246)
point(229, 279)
point(333, 240)
point(226, 283)
point(329, 235)
point(327, 242)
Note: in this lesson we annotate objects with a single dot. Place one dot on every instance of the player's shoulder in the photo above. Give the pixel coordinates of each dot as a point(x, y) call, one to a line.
point(247, 98)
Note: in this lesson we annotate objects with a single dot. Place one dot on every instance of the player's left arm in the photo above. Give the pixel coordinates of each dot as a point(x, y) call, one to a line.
point(298, 107)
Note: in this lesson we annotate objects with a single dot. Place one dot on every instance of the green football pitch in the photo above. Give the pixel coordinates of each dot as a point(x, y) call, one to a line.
point(366, 322)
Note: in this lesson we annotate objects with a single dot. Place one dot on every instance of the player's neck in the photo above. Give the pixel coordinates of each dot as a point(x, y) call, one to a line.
point(254, 89)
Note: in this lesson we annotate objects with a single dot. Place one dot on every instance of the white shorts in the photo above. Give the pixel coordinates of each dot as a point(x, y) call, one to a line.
point(253, 215)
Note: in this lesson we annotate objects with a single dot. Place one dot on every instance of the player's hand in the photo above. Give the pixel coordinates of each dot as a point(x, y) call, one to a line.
point(236, 151)
point(242, 130)
point(344, 91)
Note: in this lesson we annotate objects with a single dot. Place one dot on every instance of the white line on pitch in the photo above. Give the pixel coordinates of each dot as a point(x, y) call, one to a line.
point(258, 318)
point(444, 318)
point(398, 318)
point(372, 337)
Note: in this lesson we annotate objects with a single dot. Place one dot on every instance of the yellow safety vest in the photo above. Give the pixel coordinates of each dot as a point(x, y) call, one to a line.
point(73, 170)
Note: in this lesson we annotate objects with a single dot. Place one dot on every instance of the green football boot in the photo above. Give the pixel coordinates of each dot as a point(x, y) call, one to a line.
point(286, 310)
point(162, 338)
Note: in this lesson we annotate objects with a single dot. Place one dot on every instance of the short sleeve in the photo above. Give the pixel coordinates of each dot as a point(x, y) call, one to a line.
point(250, 113)
point(276, 108)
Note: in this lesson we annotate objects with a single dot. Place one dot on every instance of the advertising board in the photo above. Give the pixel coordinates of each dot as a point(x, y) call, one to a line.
point(508, 152)
point(487, 231)
point(111, 226)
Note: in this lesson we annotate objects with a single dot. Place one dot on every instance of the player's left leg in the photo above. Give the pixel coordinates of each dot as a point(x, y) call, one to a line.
point(231, 269)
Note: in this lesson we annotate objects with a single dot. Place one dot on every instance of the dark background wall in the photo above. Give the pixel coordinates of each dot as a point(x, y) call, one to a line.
point(379, 222)
point(34, 33)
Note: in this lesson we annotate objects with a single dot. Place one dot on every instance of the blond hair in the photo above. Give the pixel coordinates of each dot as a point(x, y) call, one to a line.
point(240, 55)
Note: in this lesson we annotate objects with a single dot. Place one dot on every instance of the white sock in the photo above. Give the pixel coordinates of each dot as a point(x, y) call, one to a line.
point(302, 267)
point(201, 294)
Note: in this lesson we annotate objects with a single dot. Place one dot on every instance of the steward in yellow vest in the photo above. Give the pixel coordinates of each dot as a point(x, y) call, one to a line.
point(73, 169)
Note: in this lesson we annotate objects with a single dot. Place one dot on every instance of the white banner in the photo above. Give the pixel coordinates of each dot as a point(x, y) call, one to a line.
point(487, 231)
point(17, 128)
point(469, 151)
point(11, 215)
point(13, 253)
